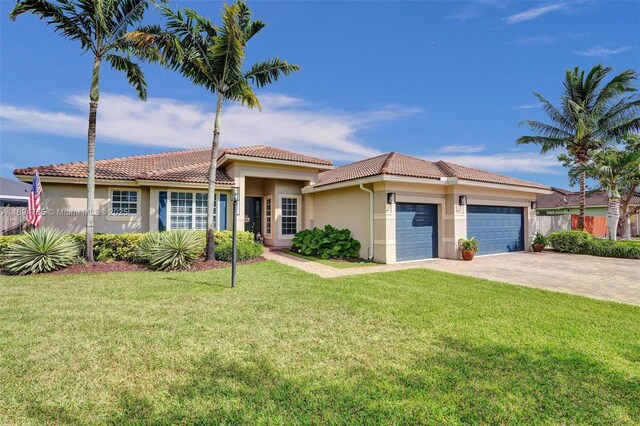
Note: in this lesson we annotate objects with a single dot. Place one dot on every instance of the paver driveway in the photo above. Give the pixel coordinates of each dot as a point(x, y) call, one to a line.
point(603, 278)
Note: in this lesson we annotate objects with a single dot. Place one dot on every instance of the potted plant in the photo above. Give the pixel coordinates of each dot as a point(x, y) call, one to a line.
point(539, 242)
point(468, 247)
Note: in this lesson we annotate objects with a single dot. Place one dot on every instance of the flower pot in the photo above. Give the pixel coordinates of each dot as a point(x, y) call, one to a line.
point(537, 247)
point(468, 254)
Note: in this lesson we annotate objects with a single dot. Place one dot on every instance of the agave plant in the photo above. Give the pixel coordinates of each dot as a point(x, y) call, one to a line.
point(41, 250)
point(171, 250)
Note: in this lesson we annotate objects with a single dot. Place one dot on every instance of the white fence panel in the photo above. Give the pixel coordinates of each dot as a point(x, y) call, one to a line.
point(547, 224)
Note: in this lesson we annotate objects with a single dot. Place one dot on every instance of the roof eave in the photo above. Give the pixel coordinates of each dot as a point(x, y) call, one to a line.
point(231, 157)
point(446, 181)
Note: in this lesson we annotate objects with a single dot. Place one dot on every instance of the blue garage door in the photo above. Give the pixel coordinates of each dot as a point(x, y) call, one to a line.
point(497, 229)
point(416, 231)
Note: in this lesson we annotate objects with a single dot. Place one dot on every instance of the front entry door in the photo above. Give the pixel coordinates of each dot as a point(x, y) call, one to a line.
point(252, 215)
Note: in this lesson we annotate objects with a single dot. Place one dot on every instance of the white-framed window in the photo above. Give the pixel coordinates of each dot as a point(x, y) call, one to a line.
point(188, 210)
point(289, 215)
point(268, 215)
point(125, 202)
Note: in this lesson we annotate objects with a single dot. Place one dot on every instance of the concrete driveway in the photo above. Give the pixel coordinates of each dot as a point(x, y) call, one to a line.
point(604, 278)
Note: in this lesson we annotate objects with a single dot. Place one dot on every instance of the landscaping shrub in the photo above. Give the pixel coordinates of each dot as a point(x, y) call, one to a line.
point(245, 250)
point(326, 243)
point(607, 248)
point(569, 241)
point(40, 250)
point(583, 243)
point(171, 250)
point(5, 242)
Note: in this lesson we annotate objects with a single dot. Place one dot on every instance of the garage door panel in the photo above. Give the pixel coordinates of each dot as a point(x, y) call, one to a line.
point(416, 231)
point(497, 229)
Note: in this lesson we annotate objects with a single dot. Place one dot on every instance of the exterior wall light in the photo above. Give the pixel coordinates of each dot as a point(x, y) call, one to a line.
point(391, 198)
point(534, 205)
point(462, 200)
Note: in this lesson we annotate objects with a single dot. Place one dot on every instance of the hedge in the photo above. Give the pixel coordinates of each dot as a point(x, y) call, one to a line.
point(112, 247)
point(581, 242)
point(245, 250)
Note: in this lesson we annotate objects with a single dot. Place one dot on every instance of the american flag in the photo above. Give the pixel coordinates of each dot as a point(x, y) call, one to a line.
point(34, 213)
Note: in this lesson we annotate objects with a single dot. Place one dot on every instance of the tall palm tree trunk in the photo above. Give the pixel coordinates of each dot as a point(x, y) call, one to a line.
point(613, 214)
point(210, 252)
point(583, 200)
point(91, 157)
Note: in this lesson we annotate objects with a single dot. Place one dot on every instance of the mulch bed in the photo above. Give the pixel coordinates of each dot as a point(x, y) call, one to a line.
point(103, 267)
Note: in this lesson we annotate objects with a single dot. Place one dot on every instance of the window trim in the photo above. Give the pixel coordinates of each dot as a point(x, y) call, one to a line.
point(279, 215)
point(270, 216)
point(124, 217)
point(193, 207)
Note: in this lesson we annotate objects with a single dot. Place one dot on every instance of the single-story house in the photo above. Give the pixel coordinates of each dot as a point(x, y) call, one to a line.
point(13, 193)
point(400, 208)
point(562, 202)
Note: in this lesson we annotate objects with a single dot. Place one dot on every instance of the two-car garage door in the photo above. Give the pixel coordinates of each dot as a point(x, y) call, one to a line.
point(498, 229)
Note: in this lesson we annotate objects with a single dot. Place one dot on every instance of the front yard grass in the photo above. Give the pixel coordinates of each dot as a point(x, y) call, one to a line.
point(286, 347)
point(335, 263)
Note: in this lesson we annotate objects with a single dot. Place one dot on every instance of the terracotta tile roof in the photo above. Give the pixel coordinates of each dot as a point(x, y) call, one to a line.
point(561, 198)
point(263, 151)
point(404, 165)
point(177, 166)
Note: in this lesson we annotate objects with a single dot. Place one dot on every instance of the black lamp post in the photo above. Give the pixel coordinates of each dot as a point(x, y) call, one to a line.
point(233, 238)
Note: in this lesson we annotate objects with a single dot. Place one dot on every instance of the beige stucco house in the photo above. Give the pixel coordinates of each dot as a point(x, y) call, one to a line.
point(400, 208)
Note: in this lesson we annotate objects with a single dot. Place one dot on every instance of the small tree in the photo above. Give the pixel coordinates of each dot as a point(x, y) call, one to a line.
point(213, 56)
point(102, 28)
point(612, 169)
point(628, 189)
point(590, 115)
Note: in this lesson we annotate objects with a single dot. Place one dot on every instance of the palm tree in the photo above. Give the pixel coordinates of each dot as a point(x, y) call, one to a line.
point(612, 169)
point(102, 28)
point(213, 57)
point(590, 115)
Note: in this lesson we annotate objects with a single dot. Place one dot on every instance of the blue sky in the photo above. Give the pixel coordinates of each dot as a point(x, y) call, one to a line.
point(438, 80)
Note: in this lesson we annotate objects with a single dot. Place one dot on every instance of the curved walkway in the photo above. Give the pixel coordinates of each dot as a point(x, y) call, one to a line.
point(604, 278)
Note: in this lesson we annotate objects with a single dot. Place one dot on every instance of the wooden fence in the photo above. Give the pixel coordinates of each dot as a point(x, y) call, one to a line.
point(595, 225)
point(12, 220)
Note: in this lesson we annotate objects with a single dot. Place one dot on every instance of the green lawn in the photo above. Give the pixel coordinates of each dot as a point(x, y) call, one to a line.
point(286, 347)
point(335, 263)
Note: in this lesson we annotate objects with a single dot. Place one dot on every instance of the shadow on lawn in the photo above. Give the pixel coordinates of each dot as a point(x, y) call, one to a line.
point(457, 382)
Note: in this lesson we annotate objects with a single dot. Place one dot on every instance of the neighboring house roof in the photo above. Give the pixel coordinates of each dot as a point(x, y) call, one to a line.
point(178, 166)
point(562, 198)
point(13, 189)
point(404, 165)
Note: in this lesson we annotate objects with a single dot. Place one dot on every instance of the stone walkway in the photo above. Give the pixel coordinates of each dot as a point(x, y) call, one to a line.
point(602, 278)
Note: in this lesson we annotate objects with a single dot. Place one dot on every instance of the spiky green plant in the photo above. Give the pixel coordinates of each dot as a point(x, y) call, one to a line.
point(171, 250)
point(41, 250)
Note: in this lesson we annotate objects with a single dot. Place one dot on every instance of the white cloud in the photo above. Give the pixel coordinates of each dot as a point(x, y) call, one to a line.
point(461, 149)
point(520, 162)
point(600, 51)
point(534, 13)
point(545, 39)
point(475, 9)
point(286, 122)
point(527, 106)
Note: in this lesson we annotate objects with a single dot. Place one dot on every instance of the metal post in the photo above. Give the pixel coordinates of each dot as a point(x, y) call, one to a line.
point(233, 239)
